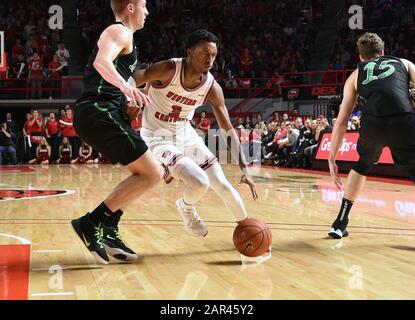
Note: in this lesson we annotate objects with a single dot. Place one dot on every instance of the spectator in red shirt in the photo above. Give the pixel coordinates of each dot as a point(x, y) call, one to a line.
point(274, 145)
point(52, 134)
point(62, 113)
point(55, 68)
point(34, 129)
point(203, 126)
point(247, 62)
point(68, 131)
point(35, 75)
point(26, 132)
point(17, 49)
point(44, 48)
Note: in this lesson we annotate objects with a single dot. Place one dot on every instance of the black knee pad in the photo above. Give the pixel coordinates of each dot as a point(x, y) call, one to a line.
point(362, 168)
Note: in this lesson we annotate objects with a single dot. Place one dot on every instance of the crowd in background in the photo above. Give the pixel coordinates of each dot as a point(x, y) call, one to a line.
point(287, 140)
point(258, 39)
point(394, 21)
point(36, 55)
point(278, 39)
point(47, 139)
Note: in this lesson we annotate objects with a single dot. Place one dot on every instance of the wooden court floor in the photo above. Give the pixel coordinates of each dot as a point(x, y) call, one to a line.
point(42, 258)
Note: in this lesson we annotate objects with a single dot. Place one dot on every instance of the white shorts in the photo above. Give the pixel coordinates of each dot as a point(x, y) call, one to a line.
point(168, 148)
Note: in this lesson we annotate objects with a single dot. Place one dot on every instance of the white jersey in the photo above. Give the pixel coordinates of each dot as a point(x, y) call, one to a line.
point(172, 105)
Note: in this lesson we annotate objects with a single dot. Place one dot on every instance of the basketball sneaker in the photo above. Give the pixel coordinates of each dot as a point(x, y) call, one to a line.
point(338, 229)
point(91, 235)
point(115, 247)
point(193, 224)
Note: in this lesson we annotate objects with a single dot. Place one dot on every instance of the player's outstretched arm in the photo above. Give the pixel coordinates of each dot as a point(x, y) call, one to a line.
point(159, 73)
point(221, 113)
point(340, 127)
point(114, 41)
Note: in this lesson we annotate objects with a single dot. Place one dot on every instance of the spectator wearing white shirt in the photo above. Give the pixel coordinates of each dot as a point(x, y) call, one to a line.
point(63, 56)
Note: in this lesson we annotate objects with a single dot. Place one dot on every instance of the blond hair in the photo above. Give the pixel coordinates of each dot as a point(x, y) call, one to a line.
point(370, 45)
point(46, 143)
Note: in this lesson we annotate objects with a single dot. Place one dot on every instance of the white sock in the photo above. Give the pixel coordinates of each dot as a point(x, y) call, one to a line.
point(226, 192)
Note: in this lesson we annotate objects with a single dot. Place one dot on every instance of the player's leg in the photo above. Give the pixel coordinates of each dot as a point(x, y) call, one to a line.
point(402, 143)
point(195, 179)
point(184, 169)
point(104, 128)
point(145, 173)
point(354, 184)
point(369, 150)
point(405, 159)
point(226, 192)
point(99, 228)
point(196, 185)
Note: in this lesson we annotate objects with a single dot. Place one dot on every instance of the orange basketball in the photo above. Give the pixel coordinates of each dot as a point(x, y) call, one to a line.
point(252, 237)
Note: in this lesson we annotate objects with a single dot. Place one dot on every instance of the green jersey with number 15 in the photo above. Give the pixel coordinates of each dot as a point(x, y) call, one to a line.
point(383, 87)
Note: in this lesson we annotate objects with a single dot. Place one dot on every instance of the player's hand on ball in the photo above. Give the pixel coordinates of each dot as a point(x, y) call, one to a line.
point(132, 110)
point(248, 180)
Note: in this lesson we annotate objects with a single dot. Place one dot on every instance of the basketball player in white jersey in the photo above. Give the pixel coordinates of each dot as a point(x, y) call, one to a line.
point(176, 88)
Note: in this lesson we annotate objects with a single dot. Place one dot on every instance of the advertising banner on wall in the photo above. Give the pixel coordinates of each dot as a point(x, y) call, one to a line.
point(348, 150)
point(316, 92)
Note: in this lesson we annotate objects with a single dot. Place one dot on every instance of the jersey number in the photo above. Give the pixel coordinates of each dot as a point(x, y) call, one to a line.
point(370, 67)
point(175, 112)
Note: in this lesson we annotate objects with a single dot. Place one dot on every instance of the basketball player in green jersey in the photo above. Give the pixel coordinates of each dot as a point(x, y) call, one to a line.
point(382, 84)
point(100, 121)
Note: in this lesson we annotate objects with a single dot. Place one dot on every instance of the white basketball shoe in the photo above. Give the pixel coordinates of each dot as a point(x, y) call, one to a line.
point(193, 224)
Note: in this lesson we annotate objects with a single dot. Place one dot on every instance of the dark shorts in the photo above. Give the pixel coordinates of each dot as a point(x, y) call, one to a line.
point(397, 133)
point(103, 126)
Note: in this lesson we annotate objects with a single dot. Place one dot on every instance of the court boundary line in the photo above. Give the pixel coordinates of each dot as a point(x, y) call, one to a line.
point(48, 294)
